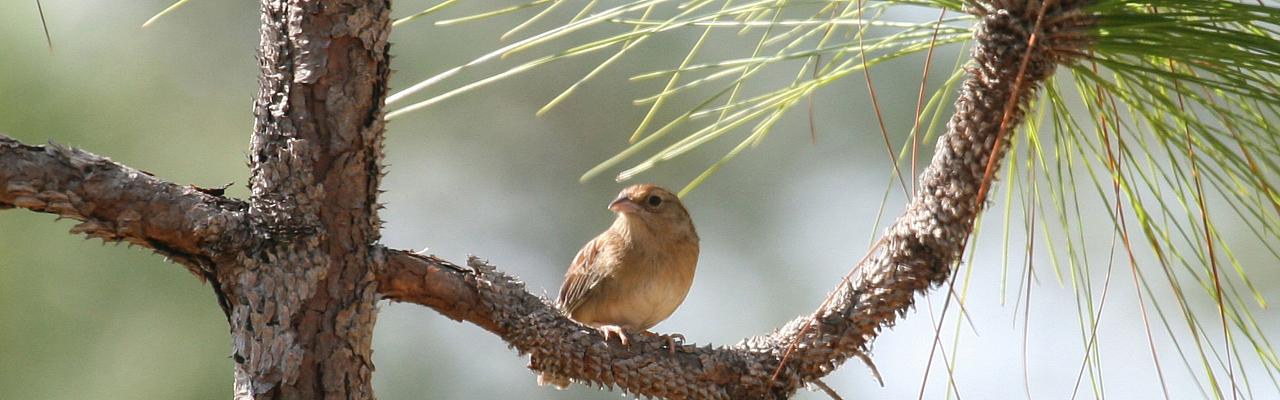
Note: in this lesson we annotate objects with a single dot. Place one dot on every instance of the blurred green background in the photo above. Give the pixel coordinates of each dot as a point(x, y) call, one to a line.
point(479, 174)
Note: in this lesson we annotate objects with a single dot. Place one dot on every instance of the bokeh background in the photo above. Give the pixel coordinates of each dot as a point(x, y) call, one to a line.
point(479, 174)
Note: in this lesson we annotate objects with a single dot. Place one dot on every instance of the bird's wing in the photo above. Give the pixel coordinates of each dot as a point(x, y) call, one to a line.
point(585, 273)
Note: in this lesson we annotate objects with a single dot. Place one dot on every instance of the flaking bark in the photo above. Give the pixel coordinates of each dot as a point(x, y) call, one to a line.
point(188, 224)
point(303, 298)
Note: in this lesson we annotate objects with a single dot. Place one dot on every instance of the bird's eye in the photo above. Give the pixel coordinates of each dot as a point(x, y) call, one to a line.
point(654, 201)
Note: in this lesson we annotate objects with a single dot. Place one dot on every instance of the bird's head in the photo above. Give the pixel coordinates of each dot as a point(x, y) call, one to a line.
point(657, 208)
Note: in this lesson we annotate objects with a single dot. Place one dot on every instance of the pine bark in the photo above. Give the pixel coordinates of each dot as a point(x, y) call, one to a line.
point(303, 295)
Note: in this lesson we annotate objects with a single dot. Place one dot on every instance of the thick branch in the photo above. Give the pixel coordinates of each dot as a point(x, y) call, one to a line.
point(432, 282)
point(500, 304)
point(915, 254)
point(117, 203)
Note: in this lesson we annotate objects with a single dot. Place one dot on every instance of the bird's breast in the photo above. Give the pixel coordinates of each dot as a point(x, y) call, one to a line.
point(644, 292)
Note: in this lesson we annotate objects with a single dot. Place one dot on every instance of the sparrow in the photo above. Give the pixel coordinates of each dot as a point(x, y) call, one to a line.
point(634, 274)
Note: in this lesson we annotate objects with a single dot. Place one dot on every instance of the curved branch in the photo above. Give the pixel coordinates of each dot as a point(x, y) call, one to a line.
point(187, 224)
point(500, 304)
point(1014, 54)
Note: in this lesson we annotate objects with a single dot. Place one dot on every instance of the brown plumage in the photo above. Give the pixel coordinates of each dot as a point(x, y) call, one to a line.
point(634, 274)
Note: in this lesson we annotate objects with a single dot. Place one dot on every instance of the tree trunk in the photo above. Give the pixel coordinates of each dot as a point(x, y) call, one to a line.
point(303, 298)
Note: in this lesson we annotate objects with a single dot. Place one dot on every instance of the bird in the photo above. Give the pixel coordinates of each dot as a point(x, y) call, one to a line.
point(636, 273)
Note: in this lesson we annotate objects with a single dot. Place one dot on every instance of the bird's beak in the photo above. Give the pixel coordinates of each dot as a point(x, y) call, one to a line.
point(622, 204)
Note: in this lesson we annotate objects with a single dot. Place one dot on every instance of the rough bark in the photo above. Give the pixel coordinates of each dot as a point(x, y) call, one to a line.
point(190, 225)
point(303, 297)
point(299, 270)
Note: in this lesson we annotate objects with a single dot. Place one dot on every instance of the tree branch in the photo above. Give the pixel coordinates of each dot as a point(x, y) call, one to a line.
point(500, 304)
point(116, 203)
point(436, 283)
point(1013, 55)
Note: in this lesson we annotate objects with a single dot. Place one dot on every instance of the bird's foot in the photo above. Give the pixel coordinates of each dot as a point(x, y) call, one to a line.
point(608, 330)
point(674, 340)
